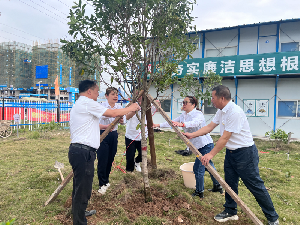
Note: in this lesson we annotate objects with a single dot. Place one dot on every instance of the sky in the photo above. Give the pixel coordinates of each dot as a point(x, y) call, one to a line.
point(28, 21)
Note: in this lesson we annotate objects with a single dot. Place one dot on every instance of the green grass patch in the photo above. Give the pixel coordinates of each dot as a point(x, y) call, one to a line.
point(28, 178)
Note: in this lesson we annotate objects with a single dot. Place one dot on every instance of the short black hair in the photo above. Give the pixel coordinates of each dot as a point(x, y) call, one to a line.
point(111, 89)
point(222, 91)
point(86, 85)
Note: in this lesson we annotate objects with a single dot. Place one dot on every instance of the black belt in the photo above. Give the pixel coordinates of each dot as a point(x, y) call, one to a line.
point(77, 145)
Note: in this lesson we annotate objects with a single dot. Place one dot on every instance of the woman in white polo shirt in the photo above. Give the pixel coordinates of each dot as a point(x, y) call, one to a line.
point(108, 148)
point(133, 140)
point(192, 120)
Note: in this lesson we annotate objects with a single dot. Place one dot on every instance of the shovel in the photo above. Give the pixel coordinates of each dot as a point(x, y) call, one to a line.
point(59, 166)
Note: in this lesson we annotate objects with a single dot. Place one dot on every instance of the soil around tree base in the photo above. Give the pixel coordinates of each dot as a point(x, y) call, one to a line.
point(124, 203)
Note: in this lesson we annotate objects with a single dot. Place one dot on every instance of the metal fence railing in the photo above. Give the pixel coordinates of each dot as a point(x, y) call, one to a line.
point(34, 113)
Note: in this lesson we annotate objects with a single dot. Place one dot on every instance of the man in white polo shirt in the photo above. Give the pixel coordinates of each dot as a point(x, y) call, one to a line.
point(241, 160)
point(85, 140)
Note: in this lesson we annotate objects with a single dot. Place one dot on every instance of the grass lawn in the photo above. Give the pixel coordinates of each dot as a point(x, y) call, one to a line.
point(28, 178)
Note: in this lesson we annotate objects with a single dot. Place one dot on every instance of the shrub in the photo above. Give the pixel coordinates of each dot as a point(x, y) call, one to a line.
point(34, 135)
point(279, 136)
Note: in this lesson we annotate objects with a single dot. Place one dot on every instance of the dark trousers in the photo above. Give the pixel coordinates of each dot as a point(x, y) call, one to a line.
point(82, 162)
point(130, 153)
point(199, 169)
point(106, 155)
point(243, 163)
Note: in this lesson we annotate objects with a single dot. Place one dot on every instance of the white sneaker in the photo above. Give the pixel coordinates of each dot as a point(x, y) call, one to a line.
point(107, 185)
point(138, 167)
point(102, 190)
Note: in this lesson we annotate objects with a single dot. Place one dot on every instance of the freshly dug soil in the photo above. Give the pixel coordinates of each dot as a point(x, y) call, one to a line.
point(126, 200)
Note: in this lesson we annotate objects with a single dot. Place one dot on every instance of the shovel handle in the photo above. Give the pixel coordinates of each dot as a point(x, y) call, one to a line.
point(61, 176)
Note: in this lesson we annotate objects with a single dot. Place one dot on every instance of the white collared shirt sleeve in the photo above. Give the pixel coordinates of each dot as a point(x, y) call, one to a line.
point(195, 121)
point(217, 117)
point(166, 124)
point(234, 122)
point(84, 122)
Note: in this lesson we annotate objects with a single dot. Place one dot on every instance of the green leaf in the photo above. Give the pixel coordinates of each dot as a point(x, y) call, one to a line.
point(138, 127)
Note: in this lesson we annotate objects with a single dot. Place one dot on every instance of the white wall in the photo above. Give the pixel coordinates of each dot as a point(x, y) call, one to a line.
point(248, 40)
point(288, 88)
point(290, 32)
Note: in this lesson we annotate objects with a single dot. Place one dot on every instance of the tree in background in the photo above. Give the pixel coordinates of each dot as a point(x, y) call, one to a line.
point(138, 42)
point(199, 86)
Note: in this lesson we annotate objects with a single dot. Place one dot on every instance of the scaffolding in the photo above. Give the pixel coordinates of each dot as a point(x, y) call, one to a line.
point(15, 66)
point(19, 63)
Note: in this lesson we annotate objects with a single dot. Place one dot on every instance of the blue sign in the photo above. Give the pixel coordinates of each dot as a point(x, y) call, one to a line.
point(24, 95)
point(70, 77)
point(42, 85)
point(19, 89)
point(72, 89)
point(3, 85)
point(41, 72)
point(60, 74)
point(72, 97)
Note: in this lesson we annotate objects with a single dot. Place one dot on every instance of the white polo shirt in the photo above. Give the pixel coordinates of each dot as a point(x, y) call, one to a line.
point(193, 121)
point(84, 122)
point(104, 120)
point(131, 124)
point(233, 119)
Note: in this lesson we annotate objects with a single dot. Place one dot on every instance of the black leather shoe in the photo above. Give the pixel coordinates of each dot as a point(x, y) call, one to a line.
point(186, 153)
point(179, 152)
point(217, 188)
point(89, 213)
point(198, 193)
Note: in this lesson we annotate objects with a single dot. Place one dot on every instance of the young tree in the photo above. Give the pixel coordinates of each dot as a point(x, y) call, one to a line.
point(140, 42)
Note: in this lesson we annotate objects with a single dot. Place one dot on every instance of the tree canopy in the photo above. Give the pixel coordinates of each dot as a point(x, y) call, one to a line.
point(132, 39)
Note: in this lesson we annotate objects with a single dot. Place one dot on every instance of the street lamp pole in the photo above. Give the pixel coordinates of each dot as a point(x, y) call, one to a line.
point(39, 90)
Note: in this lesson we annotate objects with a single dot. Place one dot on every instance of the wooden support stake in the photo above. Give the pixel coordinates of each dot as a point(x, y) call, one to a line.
point(151, 135)
point(70, 175)
point(208, 167)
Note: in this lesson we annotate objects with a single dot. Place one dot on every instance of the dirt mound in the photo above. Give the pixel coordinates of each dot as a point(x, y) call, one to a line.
point(124, 203)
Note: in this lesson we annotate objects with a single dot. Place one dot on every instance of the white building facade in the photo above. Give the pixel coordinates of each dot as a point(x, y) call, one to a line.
point(260, 65)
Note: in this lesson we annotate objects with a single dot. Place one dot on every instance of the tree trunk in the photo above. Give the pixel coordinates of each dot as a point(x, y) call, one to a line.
point(148, 197)
point(151, 135)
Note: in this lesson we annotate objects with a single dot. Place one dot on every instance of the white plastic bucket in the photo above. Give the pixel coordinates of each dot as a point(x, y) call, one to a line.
point(188, 175)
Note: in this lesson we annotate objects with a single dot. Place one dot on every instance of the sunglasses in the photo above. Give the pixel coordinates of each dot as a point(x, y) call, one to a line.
point(185, 102)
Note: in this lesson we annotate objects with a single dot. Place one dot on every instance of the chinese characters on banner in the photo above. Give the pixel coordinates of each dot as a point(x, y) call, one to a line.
point(258, 107)
point(260, 64)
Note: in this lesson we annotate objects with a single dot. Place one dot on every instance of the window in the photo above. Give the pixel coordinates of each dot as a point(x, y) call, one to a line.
point(209, 109)
point(219, 52)
point(289, 108)
point(290, 47)
point(166, 105)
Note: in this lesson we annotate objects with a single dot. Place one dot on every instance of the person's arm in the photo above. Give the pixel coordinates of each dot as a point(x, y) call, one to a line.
point(129, 115)
point(121, 121)
point(120, 112)
point(218, 147)
point(204, 130)
point(103, 127)
point(196, 121)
